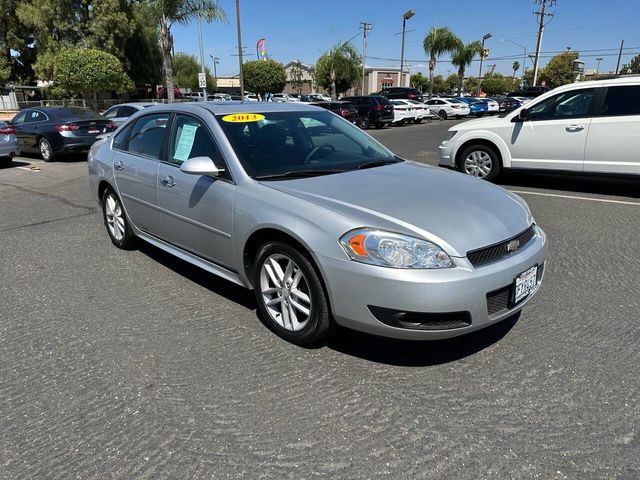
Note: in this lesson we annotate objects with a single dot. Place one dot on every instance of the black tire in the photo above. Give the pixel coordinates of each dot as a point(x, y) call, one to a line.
point(365, 123)
point(127, 240)
point(379, 125)
point(417, 120)
point(46, 152)
point(458, 117)
point(481, 151)
point(319, 324)
point(442, 114)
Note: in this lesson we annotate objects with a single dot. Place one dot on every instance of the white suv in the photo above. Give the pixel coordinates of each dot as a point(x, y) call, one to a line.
point(581, 127)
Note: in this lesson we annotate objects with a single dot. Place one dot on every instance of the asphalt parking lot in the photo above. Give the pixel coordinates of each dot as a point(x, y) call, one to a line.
point(136, 365)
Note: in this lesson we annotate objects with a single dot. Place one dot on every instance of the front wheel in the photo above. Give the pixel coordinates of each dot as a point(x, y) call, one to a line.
point(443, 114)
point(45, 150)
point(116, 221)
point(417, 120)
point(365, 123)
point(290, 295)
point(479, 161)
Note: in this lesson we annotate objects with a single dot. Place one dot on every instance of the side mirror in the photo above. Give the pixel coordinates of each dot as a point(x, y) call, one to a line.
point(522, 116)
point(201, 166)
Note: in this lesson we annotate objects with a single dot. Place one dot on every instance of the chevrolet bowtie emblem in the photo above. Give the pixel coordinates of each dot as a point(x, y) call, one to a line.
point(513, 245)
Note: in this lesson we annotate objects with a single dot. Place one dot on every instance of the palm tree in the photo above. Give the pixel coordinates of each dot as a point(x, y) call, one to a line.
point(168, 12)
point(463, 57)
point(516, 67)
point(437, 42)
point(339, 69)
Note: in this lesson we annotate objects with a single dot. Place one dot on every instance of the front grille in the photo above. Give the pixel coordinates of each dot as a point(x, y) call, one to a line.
point(499, 250)
point(498, 300)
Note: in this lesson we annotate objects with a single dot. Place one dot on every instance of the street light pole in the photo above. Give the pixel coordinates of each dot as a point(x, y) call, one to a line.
point(599, 59)
point(406, 16)
point(484, 37)
point(524, 58)
point(239, 50)
point(215, 61)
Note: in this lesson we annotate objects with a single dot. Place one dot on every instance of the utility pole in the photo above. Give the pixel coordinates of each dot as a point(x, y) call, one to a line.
point(541, 14)
point(365, 27)
point(406, 16)
point(599, 59)
point(239, 50)
point(619, 56)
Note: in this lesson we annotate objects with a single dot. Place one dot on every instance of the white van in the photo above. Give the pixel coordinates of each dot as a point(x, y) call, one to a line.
point(581, 127)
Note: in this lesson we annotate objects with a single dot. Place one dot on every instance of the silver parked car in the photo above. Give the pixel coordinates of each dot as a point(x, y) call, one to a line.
point(121, 112)
point(322, 221)
point(8, 143)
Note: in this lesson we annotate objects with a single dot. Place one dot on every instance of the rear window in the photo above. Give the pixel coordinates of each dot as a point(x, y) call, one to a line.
point(77, 113)
point(382, 100)
point(347, 105)
point(623, 100)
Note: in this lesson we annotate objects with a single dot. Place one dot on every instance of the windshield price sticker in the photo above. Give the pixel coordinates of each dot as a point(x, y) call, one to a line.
point(242, 117)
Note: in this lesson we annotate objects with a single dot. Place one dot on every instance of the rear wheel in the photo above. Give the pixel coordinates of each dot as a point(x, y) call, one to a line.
point(443, 114)
point(379, 125)
point(290, 295)
point(479, 161)
point(365, 123)
point(116, 221)
point(45, 150)
point(417, 120)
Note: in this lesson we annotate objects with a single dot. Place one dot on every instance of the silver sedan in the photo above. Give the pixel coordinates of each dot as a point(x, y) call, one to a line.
point(322, 221)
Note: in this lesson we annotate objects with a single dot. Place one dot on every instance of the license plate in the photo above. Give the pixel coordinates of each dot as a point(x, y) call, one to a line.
point(525, 283)
point(93, 130)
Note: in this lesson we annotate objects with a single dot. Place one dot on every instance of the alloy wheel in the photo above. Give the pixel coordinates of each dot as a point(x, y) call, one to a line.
point(45, 150)
point(478, 164)
point(114, 216)
point(285, 292)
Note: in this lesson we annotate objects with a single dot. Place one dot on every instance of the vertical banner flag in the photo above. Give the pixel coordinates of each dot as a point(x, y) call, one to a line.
point(261, 49)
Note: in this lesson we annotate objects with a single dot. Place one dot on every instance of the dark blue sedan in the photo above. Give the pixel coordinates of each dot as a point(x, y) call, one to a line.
point(476, 107)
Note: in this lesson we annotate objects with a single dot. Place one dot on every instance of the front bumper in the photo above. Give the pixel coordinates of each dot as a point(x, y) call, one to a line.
point(355, 287)
point(445, 152)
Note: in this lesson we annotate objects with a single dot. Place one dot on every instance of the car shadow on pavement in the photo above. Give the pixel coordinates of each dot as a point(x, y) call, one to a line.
point(71, 157)
point(418, 353)
point(614, 186)
point(211, 282)
point(13, 164)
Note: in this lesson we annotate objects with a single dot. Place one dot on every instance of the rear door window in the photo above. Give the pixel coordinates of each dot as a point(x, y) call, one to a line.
point(147, 135)
point(623, 100)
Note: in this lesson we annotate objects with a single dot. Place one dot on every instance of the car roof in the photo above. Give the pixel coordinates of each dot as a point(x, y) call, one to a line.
point(228, 107)
point(134, 104)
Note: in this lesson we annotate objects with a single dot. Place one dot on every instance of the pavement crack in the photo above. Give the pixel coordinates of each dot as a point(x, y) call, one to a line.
point(50, 195)
point(44, 222)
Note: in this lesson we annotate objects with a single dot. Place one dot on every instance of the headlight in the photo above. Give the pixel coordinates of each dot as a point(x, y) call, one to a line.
point(450, 135)
point(387, 249)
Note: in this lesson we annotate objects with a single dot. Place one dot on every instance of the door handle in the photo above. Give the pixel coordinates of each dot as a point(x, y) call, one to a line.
point(574, 128)
point(168, 181)
point(118, 165)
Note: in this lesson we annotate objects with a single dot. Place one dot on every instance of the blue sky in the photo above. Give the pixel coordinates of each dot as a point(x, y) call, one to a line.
point(303, 30)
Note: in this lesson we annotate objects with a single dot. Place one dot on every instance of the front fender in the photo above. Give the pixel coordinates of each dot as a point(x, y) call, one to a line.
point(468, 136)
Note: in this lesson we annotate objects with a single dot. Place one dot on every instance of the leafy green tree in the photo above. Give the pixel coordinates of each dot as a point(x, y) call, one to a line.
point(169, 12)
point(439, 85)
point(14, 35)
point(89, 71)
point(143, 51)
point(462, 58)
point(471, 85)
point(516, 67)
point(496, 84)
point(110, 24)
point(438, 41)
point(5, 70)
point(339, 69)
point(451, 83)
point(185, 72)
point(264, 76)
point(633, 66)
point(296, 76)
point(559, 70)
point(419, 81)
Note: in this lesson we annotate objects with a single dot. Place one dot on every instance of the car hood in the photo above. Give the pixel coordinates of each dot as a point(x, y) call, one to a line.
point(459, 212)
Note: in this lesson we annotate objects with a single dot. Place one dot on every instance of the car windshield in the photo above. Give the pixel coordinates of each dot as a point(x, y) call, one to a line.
point(301, 143)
